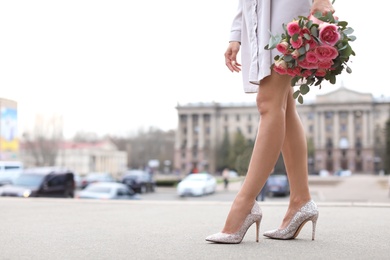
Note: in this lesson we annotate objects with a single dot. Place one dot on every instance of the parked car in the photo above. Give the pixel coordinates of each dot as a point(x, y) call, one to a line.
point(41, 182)
point(343, 173)
point(197, 184)
point(96, 177)
point(9, 171)
point(277, 185)
point(138, 180)
point(108, 191)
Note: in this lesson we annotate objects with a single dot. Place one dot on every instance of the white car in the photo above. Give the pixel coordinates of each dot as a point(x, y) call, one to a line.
point(107, 191)
point(197, 184)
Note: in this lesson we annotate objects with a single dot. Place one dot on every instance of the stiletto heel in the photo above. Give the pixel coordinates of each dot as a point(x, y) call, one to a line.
point(314, 223)
point(257, 229)
point(253, 217)
point(308, 212)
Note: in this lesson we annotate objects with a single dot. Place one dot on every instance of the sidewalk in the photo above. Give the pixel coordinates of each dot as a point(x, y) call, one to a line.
point(88, 229)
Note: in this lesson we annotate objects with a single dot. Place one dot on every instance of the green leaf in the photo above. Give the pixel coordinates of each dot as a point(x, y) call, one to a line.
point(296, 94)
point(332, 79)
point(300, 99)
point(273, 41)
point(342, 23)
point(302, 50)
point(349, 30)
point(304, 89)
point(295, 37)
point(348, 69)
point(288, 58)
point(352, 38)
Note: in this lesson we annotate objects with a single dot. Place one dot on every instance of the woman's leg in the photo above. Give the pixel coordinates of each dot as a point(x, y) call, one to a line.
point(271, 102)
point(294, 152)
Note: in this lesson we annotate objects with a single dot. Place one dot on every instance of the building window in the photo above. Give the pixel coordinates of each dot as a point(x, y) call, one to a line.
point(239, 130)
point(183, 118)
point(185, 130)
point(343, 114)
point(249, 129)
point(249, 117)
point(311, 128)
point(207, 118)
point(343, 127)
point(329, 128)
point(328, 115)
point(310, 115)
point(238, 118)
point(226, 118)
point(208, 131)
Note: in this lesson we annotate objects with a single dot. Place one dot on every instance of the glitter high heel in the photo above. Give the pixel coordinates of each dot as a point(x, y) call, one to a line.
point(308, 212)
point(254, 216)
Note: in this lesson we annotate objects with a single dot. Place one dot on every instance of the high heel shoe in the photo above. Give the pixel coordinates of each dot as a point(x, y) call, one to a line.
point(253, 217)
point(308, 212)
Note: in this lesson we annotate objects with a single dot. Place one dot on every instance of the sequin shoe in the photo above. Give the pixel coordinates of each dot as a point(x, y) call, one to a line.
point(308, 212)
point(254, 216)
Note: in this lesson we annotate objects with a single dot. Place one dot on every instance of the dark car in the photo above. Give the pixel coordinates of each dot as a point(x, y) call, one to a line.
point(277, 185)
point(140, 181)
point(41, 182)
point(94, 177)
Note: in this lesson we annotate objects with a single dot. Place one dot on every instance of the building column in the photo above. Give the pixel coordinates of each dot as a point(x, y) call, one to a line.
point(364, 130)
point(351, 129)
point(336, 130)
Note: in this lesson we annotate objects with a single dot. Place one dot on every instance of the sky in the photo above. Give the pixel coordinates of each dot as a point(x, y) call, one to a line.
point(119, 66)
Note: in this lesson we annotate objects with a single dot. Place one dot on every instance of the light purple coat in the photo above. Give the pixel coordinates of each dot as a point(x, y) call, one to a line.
point(253, 25)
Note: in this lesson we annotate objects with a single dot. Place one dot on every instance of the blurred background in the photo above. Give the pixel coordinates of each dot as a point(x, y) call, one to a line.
point(121, 92)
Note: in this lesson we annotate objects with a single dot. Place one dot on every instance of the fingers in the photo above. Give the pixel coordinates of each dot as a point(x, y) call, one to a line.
point(232, 64)
point(230, 57)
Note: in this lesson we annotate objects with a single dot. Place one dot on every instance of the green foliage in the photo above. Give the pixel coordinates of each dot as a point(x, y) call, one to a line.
point(236, 154)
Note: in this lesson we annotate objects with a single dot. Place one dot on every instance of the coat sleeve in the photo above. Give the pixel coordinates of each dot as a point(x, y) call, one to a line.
point(235, 32)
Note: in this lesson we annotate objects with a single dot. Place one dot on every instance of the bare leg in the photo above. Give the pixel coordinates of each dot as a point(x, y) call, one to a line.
point(295, 158)
point(271, 102)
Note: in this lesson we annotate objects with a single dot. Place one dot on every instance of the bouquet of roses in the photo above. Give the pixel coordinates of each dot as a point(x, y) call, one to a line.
point(313, 49)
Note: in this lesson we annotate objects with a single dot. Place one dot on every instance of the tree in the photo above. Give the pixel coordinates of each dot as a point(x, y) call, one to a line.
point(223, 153)
point(42, 144)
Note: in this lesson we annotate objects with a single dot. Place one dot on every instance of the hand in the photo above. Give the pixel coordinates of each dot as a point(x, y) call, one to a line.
point(231, 57)
point(322, 6)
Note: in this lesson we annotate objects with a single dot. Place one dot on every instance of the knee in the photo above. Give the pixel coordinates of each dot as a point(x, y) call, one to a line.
point(268, 103)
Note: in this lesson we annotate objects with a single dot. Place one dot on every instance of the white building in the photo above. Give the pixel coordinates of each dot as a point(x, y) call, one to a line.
point(345, 129)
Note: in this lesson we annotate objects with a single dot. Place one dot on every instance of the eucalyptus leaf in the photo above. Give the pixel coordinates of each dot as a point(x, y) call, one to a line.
point(349, 30)
point(296, 94)
point(352, 38)
point(348, 69)
point(304, 88)
point(300, 99)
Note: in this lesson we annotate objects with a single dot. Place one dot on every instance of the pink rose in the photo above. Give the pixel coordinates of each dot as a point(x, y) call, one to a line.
point(294, 71)
point(320, 73)
point(293, 28)
point(311, 57)
point(306, 73)
point(280, 67)
point(296, 44)
point(325, 64)
point(312, 43)
point(326, 52)
point(329, 33)
point(307, 65)
point(295, 54)
point(283, 47)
